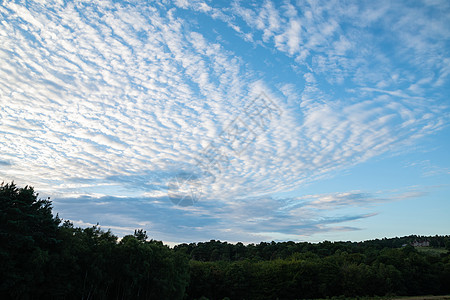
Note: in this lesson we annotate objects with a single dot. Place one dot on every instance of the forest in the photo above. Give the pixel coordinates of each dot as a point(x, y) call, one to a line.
point(45, 257)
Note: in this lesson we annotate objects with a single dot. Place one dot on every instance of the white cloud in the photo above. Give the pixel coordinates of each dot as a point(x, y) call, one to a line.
point(107, 98)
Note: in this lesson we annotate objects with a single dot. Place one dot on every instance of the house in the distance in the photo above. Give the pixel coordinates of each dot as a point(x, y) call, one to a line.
point(420, 244)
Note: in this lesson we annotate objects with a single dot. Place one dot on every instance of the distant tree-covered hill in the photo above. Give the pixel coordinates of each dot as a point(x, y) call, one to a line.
point(217, 250)
point(291, 270)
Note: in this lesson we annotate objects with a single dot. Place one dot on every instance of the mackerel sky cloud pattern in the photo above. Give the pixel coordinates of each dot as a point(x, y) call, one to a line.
point(104, 103)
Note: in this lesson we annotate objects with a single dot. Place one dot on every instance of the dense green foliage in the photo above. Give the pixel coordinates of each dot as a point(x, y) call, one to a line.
point(44, 258)
point(41, 259)
point(359, 270)
point(28, 236)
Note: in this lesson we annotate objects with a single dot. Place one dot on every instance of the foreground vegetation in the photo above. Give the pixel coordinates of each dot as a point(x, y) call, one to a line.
point(42, 257)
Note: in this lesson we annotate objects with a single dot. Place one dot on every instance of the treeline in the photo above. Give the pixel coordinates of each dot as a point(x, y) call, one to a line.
point(223, 251)
point(289, 270)
point(308, 275)
point(42, 257)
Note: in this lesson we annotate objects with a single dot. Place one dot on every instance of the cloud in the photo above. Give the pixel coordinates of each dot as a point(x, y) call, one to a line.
point(249, 221)
point(337, 200)
point(118, 99)
point(5, 163)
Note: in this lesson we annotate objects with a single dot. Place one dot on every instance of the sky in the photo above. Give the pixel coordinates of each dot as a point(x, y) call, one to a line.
point(231, 120)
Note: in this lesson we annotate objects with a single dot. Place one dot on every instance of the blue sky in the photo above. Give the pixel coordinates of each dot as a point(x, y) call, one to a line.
point(231, 120)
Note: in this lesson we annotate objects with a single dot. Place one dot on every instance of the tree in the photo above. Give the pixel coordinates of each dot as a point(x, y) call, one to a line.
point(28, 234)
point(141, 235)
